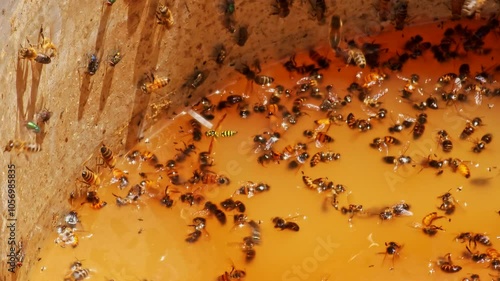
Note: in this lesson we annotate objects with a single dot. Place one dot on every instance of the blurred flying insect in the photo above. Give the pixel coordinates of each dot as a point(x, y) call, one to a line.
point(22, 146)
point(282, 8)
point(151, 83)
point(164, 16)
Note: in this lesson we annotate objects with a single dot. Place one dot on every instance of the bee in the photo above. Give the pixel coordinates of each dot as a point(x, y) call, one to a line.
point(108, 156)
point(154, 83)
point(361, 124)
point(94, 200)
point(444, 141)
point(331, 119)
point(164, 16)
point(66, 236)
point(282, 8)
point(472, 7)
point(219, 214)
point(448, 203)
point(183, 153)
point(447, 266)
point(356, 55)
point(419, 127)
point(372, 78)
point(283, 224)
point(475, 238)
point(476, 257)
point(322, 61)
point(384, 142)
point(320, 138)
point(229, 205)
point(196, 129)
point(173, 173)
point(481, 145)
point(324, 156)
point(22, 146)
point(335, 34)
point(234, 274)
point(191, 198)
point(430, 218)
point(167, 200)
point(319, 10)
point(352, 210)
point(78, 273)
point(209, 177)
point(46, 44)
point(291, 65)
point(196, 79)
point(410, 86)
point(119, 176)
point(31, 54)
point(400, 209)
point(399, 160)
point(433, 163)
point(242, 36)
point(393, 249)
point(250, 189)
point(400, 13)
point(458, 165)
point(115, 58)
point(90, 177)
point(247, 247)
point(290, 150)
point(400, 126)
point(383, 8)
point(148, 156)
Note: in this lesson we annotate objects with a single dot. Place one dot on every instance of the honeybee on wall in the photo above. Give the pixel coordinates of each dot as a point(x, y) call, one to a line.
point(108, 156)
point(151, 83)
point(164, 16)
point(90, 177)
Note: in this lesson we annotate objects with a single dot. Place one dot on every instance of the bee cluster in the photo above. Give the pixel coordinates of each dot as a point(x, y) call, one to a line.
point(311, 100)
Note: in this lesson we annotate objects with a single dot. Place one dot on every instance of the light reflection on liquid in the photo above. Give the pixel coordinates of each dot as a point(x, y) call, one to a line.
point(145, 240)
